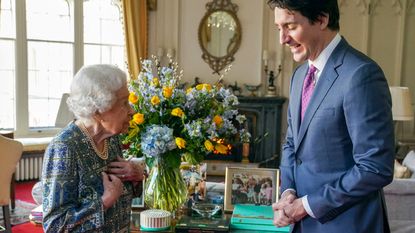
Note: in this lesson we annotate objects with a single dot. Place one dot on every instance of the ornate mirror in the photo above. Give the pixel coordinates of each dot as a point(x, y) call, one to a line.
point(219, 34)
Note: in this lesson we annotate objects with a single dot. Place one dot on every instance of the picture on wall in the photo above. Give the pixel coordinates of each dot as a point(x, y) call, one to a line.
point(256, 186)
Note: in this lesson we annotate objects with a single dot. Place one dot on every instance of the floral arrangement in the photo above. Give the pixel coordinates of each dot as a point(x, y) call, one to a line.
point(178, 125)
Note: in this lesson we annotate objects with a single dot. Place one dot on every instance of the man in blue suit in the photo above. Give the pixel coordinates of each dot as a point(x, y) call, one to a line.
point(339, 148)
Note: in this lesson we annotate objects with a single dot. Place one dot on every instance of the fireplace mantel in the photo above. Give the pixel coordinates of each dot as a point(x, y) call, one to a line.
point(264, 116)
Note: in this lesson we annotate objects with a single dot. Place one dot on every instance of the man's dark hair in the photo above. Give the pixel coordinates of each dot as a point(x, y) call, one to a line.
point(312, 9)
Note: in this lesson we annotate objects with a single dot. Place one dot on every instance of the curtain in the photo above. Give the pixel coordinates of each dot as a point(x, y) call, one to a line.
point(135, 30)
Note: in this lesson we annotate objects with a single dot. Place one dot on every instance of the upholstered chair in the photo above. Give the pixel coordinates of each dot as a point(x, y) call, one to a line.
point(10, 153)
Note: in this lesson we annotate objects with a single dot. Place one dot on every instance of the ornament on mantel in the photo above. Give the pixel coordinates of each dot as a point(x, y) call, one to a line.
point(272, 89)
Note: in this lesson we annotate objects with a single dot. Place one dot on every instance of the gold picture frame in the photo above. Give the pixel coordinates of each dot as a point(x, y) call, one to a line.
point(257, 186)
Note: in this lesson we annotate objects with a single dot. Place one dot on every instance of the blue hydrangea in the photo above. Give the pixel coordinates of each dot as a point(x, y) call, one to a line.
point(156, 140)
point(194, 129)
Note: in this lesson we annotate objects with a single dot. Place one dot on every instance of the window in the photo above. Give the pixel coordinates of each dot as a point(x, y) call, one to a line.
point(7, 63)
point(37, 65)
point(103, 34)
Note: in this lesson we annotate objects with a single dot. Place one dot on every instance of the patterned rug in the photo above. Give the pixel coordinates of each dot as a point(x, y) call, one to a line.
point(20, 214)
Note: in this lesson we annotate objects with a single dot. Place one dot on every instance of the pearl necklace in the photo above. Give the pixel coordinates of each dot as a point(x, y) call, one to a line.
point(102, 154)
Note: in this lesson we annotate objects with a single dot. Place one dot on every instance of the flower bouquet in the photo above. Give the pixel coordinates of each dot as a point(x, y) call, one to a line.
point(172, 125)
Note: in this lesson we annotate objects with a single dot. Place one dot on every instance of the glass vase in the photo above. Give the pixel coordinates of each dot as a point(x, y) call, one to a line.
point(165, 188)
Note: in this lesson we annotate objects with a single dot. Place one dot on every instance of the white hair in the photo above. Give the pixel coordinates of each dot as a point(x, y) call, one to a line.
point(94, 88)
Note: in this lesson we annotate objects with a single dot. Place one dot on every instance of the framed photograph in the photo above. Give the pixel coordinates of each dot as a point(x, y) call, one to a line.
point(138, 202)
point(256, 186)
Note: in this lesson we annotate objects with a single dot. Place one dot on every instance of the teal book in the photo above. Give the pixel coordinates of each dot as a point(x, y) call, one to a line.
point(253, 217)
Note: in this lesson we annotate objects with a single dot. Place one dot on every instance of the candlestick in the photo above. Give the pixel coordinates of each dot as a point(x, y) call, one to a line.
point(170, 53)
point(160, 52)
point(265, 55)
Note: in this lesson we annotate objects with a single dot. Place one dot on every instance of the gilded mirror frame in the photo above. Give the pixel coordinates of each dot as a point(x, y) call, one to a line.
point(215, 62)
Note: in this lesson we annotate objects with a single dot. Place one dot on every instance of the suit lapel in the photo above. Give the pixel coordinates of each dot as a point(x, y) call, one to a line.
point(327, 78)
point(297, 91)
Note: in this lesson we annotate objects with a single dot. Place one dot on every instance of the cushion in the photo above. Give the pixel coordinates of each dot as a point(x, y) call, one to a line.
point(409, 162)
point(401, 171)
point(402, 187)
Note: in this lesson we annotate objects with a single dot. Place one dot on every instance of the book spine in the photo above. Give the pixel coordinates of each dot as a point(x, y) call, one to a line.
point(190, 230)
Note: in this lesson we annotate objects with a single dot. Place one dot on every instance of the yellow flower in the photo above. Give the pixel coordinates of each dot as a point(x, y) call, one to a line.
point(155, 82)
point(155, 100)
point(188, 90)
point(138, 118)
point(222, 149)
point(218, 120)
point(132, 98)
point(167, 92)
point(180, 142)
point(133, 131)
point(177, 112)
point(202, 86)
point(207, 86)
point(209, 145)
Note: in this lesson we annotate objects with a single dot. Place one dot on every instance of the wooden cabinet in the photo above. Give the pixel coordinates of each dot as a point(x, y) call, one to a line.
point(264, 116)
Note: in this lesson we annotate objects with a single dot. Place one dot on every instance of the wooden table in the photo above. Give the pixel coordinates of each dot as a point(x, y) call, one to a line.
point(135, 226)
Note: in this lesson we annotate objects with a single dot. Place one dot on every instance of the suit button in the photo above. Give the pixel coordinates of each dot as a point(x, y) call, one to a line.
point(298, 161)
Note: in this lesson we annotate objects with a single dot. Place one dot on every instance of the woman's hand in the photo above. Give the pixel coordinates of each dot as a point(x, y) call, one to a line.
point(113, 188)
point(127, 170)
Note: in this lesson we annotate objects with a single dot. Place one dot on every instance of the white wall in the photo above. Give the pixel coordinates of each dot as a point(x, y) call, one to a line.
point(247, 65)
point(383, 29)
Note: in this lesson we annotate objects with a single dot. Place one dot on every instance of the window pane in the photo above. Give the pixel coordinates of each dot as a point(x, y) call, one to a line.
point(7, 19)
point(102, 54)
point(49, 20)
point(7, 90)
point(102, 22)
point(50, 75)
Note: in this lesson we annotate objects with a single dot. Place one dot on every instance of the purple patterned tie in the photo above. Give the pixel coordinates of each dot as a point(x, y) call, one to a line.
point(308, 89)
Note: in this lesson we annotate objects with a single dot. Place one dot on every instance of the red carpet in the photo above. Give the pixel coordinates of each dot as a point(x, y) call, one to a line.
point(23, 192)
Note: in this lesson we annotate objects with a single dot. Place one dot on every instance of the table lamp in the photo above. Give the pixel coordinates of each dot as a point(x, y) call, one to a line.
point(401, 110)
point(401, 104)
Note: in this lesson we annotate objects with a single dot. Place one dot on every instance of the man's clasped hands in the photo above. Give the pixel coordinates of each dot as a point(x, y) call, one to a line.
point(288, 210)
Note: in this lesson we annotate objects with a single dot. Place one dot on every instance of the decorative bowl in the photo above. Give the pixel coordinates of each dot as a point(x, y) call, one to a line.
point(206, 210)
point(252, 88)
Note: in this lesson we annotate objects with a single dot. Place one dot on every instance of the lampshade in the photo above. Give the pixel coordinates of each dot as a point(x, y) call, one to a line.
point(401, 104)
point(64, 114)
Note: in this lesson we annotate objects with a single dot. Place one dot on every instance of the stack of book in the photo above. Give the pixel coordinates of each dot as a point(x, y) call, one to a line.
point(253, 217)
point(190, 224)
point(36, 215)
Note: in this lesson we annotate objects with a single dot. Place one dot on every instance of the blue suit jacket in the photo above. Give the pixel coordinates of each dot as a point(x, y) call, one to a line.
point(341, 154)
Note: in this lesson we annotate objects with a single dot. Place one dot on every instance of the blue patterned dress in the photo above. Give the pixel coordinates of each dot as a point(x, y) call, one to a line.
point(72, 184)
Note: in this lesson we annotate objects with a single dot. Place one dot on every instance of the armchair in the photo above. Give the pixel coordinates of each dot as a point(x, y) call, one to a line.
point(10, 153)
point(400, 198)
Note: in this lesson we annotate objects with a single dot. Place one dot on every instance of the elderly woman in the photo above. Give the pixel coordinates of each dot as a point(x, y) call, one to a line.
point(87, 186)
